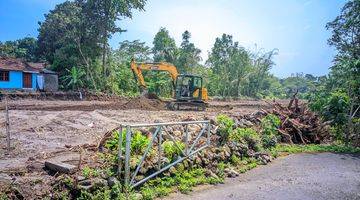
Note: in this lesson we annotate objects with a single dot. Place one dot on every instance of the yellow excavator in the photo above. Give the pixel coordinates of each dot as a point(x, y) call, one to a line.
point(188, 89)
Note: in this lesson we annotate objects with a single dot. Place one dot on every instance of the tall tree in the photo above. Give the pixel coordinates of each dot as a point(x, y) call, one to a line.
point(103, 15)
point(189, 55)
point(25, 48)
point(164, 48)
point(66, 41)
point(346, 30)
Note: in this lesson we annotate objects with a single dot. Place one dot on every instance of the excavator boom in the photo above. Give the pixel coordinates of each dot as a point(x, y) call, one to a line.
point(137, 68)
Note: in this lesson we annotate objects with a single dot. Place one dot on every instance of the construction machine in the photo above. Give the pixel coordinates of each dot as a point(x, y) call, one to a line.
point(188, 90)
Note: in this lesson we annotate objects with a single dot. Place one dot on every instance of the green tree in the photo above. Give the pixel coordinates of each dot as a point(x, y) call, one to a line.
point(102, 16)
point(25, 48)
point(122, 79)
point(65, 41)
point(189, 55)
point(346, 30)
point(164, 49)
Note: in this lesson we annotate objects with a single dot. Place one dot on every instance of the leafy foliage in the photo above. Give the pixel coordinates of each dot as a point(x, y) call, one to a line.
point(248, 136)
point(226, 125)
point(171, 150)
point(139, 142)
point(269, 125)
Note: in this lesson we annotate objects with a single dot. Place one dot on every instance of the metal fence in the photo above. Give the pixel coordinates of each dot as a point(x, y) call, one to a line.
point(160, 130)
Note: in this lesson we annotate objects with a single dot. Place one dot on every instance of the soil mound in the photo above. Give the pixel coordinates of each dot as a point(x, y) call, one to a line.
point(144, 103)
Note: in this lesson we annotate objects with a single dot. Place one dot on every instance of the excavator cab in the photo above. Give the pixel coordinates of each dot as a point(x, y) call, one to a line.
point(188, 87)
point(189, 92)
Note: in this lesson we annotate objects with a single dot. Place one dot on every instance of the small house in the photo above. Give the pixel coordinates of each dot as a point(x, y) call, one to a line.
point(16, 74)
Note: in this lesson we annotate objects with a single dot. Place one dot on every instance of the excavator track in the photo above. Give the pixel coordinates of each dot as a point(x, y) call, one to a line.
point(187, 105)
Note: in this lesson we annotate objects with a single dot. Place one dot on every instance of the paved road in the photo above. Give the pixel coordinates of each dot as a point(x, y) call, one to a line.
point(301, 177)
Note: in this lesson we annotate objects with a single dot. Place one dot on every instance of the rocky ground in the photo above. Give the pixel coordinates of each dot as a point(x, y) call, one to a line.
point(295, 177)
point(42, 129)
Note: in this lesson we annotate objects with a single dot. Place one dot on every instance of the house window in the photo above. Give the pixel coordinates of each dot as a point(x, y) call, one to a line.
point(4, 76)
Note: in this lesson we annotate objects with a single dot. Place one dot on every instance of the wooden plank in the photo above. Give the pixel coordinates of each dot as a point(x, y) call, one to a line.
point(60, 166)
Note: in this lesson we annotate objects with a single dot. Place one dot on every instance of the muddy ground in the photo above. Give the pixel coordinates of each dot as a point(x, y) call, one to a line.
point(54, 129)
point(41, 129)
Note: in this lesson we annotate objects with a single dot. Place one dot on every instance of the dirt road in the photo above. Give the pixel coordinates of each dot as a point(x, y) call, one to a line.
point(302, 176)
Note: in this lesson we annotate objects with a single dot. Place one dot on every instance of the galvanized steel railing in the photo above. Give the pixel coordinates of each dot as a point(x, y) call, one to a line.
point(161, 130)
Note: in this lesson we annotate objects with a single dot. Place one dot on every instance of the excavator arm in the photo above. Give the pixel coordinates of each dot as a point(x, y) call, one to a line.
point(137, 69)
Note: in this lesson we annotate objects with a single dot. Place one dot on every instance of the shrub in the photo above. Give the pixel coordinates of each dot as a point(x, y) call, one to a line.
point(269, 126)
point(226, 125)
point(171, 150)
point(247, 135)
point(88, 172)
point(332, 107)
point(139, 142)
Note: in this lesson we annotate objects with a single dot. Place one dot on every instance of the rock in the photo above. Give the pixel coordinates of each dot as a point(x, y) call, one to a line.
point(186, 164)
point(264, 158)
point(231, 172)
point(172, 170)
point(91, 184)
point(111, 181)
point(227, 151)
point(205, 161)
point(165, 160)
point(198, 161)
point(99, 182)
point(250, 153)
point(80, 178)
point(139, 177)
point(85, 185)
point(61, 167)
point(144, 169)
point(177, 133)
point(180, 167)
point(211, 174)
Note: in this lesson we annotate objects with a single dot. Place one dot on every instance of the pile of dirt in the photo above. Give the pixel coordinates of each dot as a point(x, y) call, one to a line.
point(144, 103)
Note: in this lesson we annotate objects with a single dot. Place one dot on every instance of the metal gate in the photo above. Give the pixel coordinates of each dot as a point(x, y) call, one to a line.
point(160, 130)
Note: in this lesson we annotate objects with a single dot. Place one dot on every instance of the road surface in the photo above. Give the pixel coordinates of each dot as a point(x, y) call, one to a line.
point(320, 176)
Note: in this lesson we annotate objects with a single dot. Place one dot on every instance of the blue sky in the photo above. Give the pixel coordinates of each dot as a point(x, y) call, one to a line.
point(295, 27)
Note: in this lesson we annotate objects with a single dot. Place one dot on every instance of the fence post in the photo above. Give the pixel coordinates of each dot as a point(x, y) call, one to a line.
point(159, 147)
point(187, 140)
point(120, 159)
point(208, 132)
point(127, 155)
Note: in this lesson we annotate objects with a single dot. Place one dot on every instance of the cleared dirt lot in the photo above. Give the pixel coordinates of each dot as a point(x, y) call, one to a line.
point(321, 176)
point(43, 129)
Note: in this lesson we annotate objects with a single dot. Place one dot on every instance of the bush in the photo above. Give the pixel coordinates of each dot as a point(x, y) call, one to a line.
point(269, 126)
point(332, 107)
point(139, 142)
point(171, 150)
point(248, 136)
point(226, 125)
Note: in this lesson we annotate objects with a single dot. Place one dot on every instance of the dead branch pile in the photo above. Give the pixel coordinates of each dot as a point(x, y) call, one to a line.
point(299, 125)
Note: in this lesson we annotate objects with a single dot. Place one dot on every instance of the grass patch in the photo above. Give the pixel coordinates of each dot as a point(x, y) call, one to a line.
point(182, 181)
point(313, 148)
